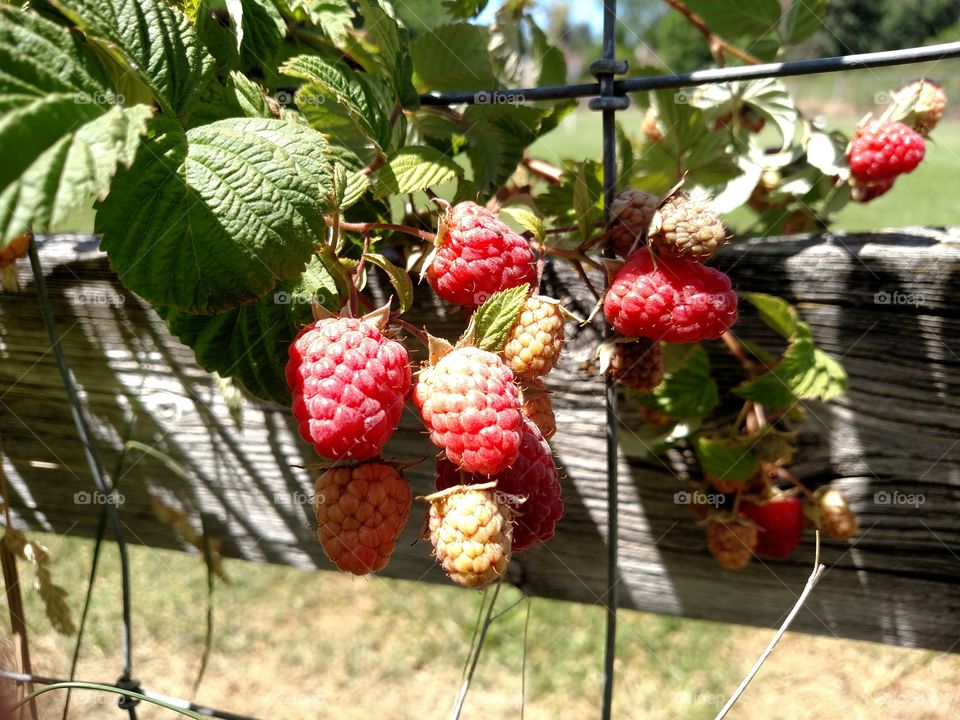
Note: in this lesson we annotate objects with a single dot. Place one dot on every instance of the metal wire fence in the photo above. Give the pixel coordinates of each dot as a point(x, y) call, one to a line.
point(608, 95)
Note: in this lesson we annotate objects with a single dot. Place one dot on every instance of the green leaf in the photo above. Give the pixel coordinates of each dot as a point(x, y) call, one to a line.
point(214, 217)
point(768, 97)
point(357, 183)
point(587, 203)
point(802, 20)
point(334, 17)
point(689, 392)
point(61, 133)
point(346, 88)
point(527, 219)
point(399, 278)
point(464, 9)
point(415, 168)
point(153, 42)
point(249, 343)
point(827, 153)
point(804, 373)
point(395, 60)
point(736, 18)
point(725, 460)
point(496, 317)
point(779, 315)
point(247, 96)
point(262, 33)
point(453, 57)
point(553, 65)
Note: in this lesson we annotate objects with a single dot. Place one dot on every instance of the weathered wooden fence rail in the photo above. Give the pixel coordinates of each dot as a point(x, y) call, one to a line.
point(887, 304)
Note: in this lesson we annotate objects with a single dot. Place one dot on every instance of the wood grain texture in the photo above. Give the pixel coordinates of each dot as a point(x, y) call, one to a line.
point(886, 304)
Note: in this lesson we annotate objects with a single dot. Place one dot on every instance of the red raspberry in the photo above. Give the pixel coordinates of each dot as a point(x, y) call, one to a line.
point(348, 383)
point(360, 512)
point(781, 524)
point(478, 255)
point(472, 409)
point(882, 150)
point(865, 192)
point(530, 487)
point(679, 301)
point(9, 255)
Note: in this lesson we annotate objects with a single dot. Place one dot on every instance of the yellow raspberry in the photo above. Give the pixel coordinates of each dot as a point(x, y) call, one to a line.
point(731, 544)
point(535, 342)
point(836, 518)
point(685, 228)
point(471, 533)
point(630, 215)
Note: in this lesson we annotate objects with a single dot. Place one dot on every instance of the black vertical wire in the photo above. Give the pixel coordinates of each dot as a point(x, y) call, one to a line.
point(96, 470)
point(608, 103)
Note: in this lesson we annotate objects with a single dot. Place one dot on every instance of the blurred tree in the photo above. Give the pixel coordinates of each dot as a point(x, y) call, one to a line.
point(854, 26)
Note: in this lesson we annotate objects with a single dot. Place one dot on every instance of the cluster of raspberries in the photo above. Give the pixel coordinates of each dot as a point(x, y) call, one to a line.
point(663, 292)
point(498, 488)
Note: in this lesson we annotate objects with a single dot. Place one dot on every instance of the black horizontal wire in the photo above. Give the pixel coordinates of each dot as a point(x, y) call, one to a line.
point(862, 61)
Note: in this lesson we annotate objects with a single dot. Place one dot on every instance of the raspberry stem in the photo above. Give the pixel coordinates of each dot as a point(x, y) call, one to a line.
point(367, 227)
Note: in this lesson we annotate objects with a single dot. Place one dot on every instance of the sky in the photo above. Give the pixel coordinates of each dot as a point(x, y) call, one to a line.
point(581, 11)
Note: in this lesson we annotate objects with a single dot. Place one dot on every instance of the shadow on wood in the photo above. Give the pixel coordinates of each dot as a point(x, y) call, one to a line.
point(886, 304)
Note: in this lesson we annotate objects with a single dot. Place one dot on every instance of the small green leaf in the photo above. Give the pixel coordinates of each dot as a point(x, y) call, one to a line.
point(344, 87)
point(804, 373)
point(726, 460)
point(802, 20)
point(586, 203)
point(737, 18)
point(394, 59)
point(414, 168)
point(214, 217)
point(153, 42)
point(453, 57)
point(334, 17)
point(496, 317)
point(689, 392)
point(399, 278)
point(779, 315)
point(527, 219)
point(553, 65)
point(262, 34)
point(464, 9)
point(247, 96)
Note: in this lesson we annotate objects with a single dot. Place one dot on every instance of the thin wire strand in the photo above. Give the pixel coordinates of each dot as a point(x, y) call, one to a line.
point(90, 451)
point(465, 685)
point(863, 61)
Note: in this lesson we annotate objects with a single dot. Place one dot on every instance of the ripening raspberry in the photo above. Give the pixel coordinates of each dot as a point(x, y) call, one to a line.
point(478, 255)
point(471, 407)
point(780, 524)
point(360, 512)
point(348, 383)
point(530, 487)
point(679, 301)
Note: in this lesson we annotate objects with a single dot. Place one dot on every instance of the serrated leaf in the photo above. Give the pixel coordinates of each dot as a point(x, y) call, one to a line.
point(214, 217)
point(737, 18)
point(453, 57)
point(802, 20)
point(415, 168)
point(767, 96)
point(249, 343)
point(334, 17)
point(496, 317)
point(527, 219)
point(357, 184)
point(347, 88)
point(61, 133)
point(261, 33)
point(399, 278)
point(804, 373)
point(394, 59)
point(586, 203)
point(154, 42)
point(247, 96)
point(779, 315)
point(689, 392)
point(725, 460)
point(553, 65)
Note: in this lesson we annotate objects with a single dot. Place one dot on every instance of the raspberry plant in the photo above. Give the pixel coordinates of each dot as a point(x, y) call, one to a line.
point(251, 164)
